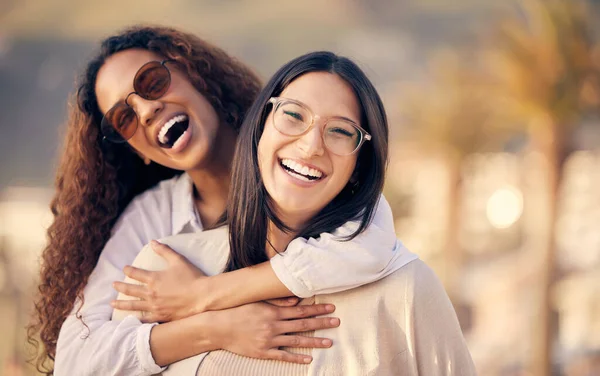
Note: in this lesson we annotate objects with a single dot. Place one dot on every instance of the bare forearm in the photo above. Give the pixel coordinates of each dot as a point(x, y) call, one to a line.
point(177, 340)
point(252, 284)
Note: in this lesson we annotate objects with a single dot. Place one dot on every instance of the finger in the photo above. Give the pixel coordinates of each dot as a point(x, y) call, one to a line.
point(165, 251)
point(148, 317)
point(284, 302)
point(130, 305)
point(301, 341)
point(140, 275)
point(136, 291)
point(305, 325)
point(305, 311)
point(285, 356)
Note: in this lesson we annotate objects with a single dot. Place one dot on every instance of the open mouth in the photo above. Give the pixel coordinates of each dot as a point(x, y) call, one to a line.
point(172, 131)
point(300, 171)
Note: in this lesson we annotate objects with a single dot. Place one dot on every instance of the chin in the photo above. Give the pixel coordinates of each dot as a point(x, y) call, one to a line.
point(300, 210)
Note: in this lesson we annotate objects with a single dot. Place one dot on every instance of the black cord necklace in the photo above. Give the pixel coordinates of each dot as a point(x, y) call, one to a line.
point(272, 246)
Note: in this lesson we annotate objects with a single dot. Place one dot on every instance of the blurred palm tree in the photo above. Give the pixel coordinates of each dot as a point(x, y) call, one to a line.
point(546, 67)
point(451, 114)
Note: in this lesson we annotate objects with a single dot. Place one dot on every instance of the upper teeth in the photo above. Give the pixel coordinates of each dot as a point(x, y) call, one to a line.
point(301, 169)
point(165, 128)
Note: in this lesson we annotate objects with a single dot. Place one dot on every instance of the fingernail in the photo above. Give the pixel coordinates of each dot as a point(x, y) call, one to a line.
point(326, 342)
point(307, 360)
point(153, 243)
point(112, 304)
point(335, 321)
point(329, 308)
point(291, 300)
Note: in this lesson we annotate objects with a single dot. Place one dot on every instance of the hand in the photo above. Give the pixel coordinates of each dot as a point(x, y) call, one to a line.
point(258, 330)
point(165, 295)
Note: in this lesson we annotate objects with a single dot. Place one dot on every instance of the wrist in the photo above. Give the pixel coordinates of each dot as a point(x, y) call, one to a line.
point(207, 323)
point(203, 295)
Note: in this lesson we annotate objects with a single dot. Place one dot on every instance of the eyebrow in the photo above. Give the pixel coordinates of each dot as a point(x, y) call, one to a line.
point(330, 117)
point(345, 118)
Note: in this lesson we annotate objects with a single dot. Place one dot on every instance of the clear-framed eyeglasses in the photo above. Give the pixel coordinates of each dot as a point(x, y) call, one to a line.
point(341, 136)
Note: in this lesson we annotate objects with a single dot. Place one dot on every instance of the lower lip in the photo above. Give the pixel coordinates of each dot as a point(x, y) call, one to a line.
point(297, 181)
point(182, 142)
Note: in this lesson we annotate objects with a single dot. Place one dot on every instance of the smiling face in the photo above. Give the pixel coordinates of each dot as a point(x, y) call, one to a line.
point(299, 173)
point(180, 130)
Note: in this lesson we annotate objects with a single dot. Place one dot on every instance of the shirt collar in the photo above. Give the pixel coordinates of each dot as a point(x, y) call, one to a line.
point(184, 209)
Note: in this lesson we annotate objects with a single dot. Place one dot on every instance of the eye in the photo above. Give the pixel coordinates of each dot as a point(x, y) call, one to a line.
point(124, 119)
point(294, 115)
point(156, 86)
point(341, 132)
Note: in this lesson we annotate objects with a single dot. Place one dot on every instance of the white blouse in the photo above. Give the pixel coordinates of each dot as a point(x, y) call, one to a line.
point(99, 346)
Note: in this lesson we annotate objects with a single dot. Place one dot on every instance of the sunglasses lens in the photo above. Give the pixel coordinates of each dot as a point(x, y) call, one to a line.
point(120, 123)
point(152, 80)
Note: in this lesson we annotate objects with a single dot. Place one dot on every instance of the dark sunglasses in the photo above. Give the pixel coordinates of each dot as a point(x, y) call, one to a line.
point(151, 82)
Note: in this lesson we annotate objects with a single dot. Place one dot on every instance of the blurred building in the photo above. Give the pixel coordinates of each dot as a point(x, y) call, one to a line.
point(24, 217)
point(497, 278)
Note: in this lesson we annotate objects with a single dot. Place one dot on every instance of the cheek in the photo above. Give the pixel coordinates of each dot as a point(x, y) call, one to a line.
point(265, 156)
point(346, 169)
point(267, 147)
point(138, 142)
point(261, 155)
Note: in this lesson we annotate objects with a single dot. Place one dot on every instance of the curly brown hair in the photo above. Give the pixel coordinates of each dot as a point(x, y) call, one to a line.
point(96, 180)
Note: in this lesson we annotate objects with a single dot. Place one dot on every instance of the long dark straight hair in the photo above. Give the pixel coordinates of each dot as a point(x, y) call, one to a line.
point(250, 209)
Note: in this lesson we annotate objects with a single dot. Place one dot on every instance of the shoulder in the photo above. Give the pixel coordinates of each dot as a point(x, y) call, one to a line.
point(148, 216)
point(414, 286)
point(207, 250)
point(430, 317)
point(155, 201)
point(414, 275)
point(157, 196)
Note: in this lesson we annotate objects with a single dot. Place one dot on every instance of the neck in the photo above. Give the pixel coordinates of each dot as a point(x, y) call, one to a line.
point(277, 240)
point(212, 179)
point(210, 186)
point(280, 239)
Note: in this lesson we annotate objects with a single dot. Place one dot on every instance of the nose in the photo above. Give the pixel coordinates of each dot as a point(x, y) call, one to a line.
point(311, 143)
point(145, 109)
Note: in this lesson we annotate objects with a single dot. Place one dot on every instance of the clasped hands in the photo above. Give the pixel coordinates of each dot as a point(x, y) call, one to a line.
point(256, 330)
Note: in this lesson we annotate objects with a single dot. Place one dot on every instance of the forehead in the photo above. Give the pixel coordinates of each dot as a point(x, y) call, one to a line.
point(327, 94)
point(115, 77)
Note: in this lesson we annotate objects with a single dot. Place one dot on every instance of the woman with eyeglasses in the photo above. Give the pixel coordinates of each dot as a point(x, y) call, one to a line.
point(148, 153)
point(320, 113)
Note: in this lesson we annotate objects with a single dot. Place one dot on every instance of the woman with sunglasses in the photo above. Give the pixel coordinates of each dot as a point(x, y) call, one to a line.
point(178, 103)
point(319, 110)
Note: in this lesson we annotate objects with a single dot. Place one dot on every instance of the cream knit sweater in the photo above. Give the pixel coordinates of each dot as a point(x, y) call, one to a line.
point(403, 324)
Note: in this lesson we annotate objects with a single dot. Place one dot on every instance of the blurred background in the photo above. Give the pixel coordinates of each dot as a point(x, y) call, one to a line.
point(495, 114)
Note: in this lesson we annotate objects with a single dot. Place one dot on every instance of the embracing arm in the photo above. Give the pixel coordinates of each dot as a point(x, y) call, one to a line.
point(94, 345)
point(306, 268)
point(318, 266)
point(255, 330)
point(328, 264)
